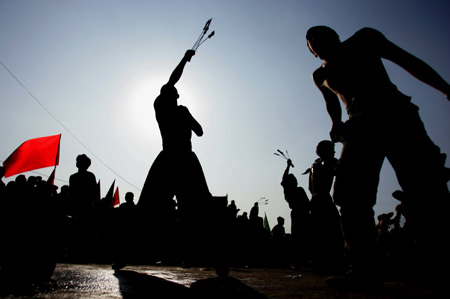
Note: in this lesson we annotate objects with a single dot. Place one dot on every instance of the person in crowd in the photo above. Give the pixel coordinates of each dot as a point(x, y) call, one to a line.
point(328, 241)
point(300, 215)
point(254, 212)
point(278, 231)
point(83, 188)
point(83, 194)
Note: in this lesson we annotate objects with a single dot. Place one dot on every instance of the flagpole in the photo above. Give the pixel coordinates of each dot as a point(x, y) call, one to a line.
point(56, 161)
point(57, 153)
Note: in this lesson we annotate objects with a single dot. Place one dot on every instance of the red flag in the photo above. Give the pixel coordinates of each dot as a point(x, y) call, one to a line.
point(116, 200)
point(33, 154)
point(51, 178)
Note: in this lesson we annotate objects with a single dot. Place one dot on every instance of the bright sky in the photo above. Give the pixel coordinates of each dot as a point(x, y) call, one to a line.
point(97, 66)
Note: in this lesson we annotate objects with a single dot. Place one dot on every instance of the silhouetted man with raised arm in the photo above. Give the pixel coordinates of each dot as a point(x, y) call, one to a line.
point(382, 123)
point(300, 215)
point(327, 239)
point(177, 170)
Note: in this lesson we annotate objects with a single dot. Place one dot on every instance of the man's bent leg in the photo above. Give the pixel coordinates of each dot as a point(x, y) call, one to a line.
point(355, 191)
point(419, 166)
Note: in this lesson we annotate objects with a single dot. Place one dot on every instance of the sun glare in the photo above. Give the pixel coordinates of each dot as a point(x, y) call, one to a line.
point(141, 92)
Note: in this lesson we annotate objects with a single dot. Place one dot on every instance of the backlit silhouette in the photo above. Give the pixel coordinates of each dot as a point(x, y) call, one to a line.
point(177, 170)
point(382, 123)
point(328, 248)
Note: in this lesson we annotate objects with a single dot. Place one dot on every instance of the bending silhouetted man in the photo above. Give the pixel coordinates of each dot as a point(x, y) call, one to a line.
point(382, 123)
point(177, 170)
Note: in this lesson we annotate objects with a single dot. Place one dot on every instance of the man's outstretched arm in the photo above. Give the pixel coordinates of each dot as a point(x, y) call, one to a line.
point(415, 67)
point(178, 71)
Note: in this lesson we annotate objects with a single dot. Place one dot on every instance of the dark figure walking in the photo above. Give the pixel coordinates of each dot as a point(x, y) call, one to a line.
point(176, 172)
point(382, 123)
point(328, 241)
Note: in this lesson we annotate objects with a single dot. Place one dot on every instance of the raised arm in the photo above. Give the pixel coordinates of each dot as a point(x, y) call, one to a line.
point(286, 171)
point(414, 66)
point(178, 71)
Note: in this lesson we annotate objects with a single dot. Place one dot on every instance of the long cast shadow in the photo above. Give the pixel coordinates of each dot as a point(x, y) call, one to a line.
point(139, 285)
point(224, 288)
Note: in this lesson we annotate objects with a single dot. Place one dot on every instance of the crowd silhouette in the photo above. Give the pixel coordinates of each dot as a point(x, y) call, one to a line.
point(177, 221)
point(42, 226)
point(69, 230)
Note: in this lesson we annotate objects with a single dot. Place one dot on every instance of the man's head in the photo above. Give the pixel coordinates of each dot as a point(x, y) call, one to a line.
point(291, 181)
point(280, 220)
point(322, 41)
point(170, 92)
point(325, 149)
point(83, 162)
point(129, 197)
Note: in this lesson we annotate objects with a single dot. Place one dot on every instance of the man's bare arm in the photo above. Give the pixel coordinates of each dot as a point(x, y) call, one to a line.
point(178, 71)
point(196, 127)
point(193, 123)
point(333, 106)
point(415, 66)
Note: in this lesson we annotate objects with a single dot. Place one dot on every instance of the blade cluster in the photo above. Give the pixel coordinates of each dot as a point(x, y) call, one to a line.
point(201, 39)
point(282, 155)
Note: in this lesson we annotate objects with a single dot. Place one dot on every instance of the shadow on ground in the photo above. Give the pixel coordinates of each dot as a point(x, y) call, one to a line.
point(133, 284)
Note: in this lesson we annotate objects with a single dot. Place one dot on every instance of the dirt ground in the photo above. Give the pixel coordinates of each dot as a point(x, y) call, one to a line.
point(100, 281)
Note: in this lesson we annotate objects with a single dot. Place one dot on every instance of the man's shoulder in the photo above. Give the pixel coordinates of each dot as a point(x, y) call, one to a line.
point(157, 102)
point(364, 36)
point(317, 163)
point(182, 109)
point(319, 75)
point(300, 189)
